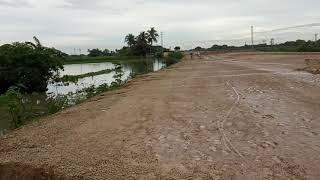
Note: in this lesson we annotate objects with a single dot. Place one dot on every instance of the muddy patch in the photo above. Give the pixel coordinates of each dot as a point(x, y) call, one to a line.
point(312, 66)
point(15, 171)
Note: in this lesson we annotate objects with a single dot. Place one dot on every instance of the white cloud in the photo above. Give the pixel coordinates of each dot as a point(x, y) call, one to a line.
point(69, 24)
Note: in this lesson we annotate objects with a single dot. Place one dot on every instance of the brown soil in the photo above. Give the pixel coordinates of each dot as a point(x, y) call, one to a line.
point(18, 171)
point(225, 116)
point(312, 66)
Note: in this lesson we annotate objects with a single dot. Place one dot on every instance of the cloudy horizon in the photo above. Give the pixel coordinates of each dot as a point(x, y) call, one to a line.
point(80, 24)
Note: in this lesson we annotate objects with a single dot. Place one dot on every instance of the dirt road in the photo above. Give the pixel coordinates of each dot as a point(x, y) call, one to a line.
point(227, 116)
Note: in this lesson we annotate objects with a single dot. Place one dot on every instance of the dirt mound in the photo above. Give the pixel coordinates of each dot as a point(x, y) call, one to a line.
point(15, 171)
point(313, 66)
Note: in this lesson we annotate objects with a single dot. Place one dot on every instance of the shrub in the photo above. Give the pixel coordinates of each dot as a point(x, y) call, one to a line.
point(28, 66)
point(173, 57)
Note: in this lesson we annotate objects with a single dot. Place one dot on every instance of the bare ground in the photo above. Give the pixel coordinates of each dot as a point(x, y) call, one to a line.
point(225, 116)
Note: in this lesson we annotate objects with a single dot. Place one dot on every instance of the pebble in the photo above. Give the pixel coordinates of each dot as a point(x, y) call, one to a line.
point(212, 148)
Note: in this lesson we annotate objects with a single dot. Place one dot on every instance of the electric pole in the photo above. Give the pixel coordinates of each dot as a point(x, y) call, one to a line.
point(316, 37)
point(162, 41)
point(272, 41)
point(252, 39)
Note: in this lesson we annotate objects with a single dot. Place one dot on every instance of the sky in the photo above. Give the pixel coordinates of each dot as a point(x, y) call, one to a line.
point(87, 24)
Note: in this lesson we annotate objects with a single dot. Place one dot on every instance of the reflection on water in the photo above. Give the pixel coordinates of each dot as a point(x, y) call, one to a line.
point(135, 67)
point(78, 69)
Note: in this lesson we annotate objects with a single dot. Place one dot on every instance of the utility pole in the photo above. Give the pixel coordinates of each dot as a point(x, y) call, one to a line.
point(316, 37)
point(272, 41)
point(252, 39)
point(162, 39)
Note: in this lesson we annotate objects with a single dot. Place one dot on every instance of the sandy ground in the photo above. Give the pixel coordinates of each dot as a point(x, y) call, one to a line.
point(225, 116)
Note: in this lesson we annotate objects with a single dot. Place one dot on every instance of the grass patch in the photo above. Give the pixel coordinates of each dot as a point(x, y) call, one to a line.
point(113, 59)
point(75, 78)
point(173, 57)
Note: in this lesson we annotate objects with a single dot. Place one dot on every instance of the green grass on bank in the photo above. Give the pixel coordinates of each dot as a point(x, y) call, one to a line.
point(113, 59)
point(4, 113)
point(75, 78)
point(173, 57)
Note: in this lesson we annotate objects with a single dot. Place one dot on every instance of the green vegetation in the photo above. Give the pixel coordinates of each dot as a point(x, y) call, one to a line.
point(173, 57)
point(97, 52)
point(86, 59)
point(289, 46)
point(75, 78)
point(177, 48)
point(28, 66)
point(21, 108)
point(142, 44)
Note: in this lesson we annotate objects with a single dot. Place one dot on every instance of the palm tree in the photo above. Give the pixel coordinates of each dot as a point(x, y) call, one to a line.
point(37, 43)
point(130, 40)
point(142, 43)
point(152, 36)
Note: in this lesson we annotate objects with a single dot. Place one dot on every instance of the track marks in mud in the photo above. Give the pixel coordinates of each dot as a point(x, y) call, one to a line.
point(228, 144)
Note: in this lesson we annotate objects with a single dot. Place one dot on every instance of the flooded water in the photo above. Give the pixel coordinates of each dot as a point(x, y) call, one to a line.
point(136, 67)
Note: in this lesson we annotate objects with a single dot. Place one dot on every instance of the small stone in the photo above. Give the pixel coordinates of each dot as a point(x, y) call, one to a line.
point(217, 142)
point(276, 159)
point(212, 148)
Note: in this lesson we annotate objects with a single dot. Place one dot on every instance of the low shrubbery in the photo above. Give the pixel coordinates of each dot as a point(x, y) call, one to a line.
point(75, 78)
point(173, 57)
point(28, 66)
point(20, 107)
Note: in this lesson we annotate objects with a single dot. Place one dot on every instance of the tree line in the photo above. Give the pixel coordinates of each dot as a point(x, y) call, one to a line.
point(289, 46)
point(142, 44)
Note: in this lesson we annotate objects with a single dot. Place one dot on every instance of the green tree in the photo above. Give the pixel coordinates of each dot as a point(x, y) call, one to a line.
point(177, 48)
point(28, 66)
point(152, 36)
point(95, 52)
point(130, 40)
point(141, 46)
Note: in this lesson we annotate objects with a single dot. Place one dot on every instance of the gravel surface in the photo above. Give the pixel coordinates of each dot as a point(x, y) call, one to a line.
point(225, 116)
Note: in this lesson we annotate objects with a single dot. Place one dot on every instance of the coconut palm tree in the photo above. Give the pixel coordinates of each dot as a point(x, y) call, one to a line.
point(152, 36)
point(142, 43)
point(37, 43)
point(130, 40)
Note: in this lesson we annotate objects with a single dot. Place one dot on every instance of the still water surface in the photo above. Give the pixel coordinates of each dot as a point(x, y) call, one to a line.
point(136, 67)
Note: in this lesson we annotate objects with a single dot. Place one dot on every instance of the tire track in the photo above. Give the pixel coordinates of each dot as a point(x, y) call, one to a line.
point(227, 141)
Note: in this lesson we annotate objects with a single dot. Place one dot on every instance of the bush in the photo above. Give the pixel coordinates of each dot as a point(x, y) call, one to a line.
point(28, 66)
point(173, 57)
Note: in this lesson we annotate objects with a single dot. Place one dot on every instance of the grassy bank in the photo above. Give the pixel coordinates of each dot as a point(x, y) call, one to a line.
point(113, 59)
point(75, 78)
point(17, 109)
point(173, 57)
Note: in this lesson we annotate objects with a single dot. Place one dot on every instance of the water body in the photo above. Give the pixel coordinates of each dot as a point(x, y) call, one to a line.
point(136, 67)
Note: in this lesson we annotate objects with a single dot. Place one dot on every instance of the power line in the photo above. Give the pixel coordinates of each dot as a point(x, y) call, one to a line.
point(291, 27)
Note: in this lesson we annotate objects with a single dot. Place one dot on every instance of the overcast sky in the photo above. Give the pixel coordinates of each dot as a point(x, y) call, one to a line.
point(68, 24)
